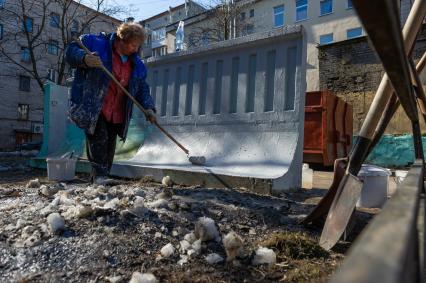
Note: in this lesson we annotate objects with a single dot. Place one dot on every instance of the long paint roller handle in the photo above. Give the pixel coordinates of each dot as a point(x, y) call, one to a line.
point(172, 138)
point(132, 98)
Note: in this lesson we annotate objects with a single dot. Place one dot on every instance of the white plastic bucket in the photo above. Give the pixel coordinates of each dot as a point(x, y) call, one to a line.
point(375, 188)
point(61, 169)
point(307, 176)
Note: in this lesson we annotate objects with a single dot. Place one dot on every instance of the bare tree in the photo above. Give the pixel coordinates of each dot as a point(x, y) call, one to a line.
point(23, 43)
point(76, 19)
point(224, 20)
point(36, 28)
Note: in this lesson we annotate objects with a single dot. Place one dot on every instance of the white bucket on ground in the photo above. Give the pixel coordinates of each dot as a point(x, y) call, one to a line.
point(61, 169)
point(375, 188)
point(307, 176)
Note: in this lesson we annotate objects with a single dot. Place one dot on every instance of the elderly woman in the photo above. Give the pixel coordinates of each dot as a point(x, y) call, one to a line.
point(98, 106)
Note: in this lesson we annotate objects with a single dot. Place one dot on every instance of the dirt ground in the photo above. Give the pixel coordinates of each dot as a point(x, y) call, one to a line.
point(116, 237)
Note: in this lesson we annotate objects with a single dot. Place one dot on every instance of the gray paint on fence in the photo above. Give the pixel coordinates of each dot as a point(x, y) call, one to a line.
point(240, 105)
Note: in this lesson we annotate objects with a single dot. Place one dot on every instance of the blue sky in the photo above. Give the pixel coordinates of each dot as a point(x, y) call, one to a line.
point(143, 9)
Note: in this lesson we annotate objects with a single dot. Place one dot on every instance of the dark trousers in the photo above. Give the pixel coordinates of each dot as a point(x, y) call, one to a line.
point(100, 146)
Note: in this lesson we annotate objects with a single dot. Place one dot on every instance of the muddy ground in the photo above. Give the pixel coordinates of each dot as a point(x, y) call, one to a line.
point(113, 240)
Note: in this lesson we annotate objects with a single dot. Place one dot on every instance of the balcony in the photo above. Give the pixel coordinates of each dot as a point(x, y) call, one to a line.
point(158, 43)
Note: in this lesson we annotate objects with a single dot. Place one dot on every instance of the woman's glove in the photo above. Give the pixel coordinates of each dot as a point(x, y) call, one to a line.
point(150, 116)
point(92, 60)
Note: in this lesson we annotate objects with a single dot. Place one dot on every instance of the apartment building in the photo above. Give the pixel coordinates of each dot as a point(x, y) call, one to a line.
point(25, 66)
point(159, 42)
point(325, 22)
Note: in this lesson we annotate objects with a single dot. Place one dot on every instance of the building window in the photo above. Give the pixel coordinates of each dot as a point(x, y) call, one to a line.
point(25, 54)
point(23, 111)
point(250, 29)
point(51, 75)
point(159, 34)
point(279, 16)
point(326, 38)
point(86, 29)
point(24, 83)
point(354, 32)
point(2, 2)
point(326, 7)
point(74, 26)
point(243, 16)
point(1, 31)
point(70, 74)
point(350, 4)
point(52, 47)
point(54, 20)
point(251, 13)
point(301, 10)
point(28, 24)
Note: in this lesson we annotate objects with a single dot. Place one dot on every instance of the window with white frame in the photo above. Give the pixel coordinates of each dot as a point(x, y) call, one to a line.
point(326, 7)
point(25, 54)
point(354, 32)
point(51, 75)
point(279, 16)
point(326, 38)
point(23, 111)
point(350, 4)
point(52, 47)
point(301, 10)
